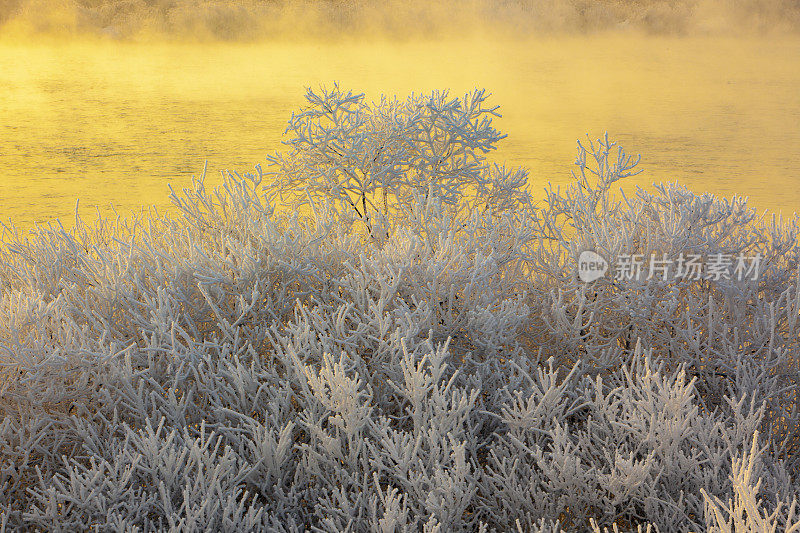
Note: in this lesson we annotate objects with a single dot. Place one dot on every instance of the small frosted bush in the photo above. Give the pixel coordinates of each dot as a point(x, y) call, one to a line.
point(385, 163)
point(408, 348)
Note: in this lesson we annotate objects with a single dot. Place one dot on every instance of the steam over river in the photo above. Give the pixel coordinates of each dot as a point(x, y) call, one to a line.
point(115, 122)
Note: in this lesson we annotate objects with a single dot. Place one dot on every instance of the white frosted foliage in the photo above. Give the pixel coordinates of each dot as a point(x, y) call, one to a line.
point(380, 331)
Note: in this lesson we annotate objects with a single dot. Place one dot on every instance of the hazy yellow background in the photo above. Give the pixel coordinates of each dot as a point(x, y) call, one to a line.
point(111, 120)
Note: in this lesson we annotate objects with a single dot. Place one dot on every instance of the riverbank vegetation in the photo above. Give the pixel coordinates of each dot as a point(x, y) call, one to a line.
point(379, 331)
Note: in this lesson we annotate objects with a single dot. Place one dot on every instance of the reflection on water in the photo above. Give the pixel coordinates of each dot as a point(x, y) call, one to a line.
point(117, 122)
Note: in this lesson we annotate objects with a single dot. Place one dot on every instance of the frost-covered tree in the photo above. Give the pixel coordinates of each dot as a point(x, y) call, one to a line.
point(384, 161)
point(244, 366)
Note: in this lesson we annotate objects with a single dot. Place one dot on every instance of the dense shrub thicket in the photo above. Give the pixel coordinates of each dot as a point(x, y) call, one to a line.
point(408, 348)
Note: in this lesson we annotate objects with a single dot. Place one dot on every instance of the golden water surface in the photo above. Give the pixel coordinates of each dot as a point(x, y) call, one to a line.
point(114, 123)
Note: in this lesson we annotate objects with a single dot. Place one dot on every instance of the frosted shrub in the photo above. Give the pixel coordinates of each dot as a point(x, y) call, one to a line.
point(745, 513)
point(385, 163)
point(739, 337)
point(409, 349)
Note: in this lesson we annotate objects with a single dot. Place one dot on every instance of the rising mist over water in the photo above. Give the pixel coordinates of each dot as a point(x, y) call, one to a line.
point(250, 20)
point(116, 122)
point(107, 100)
